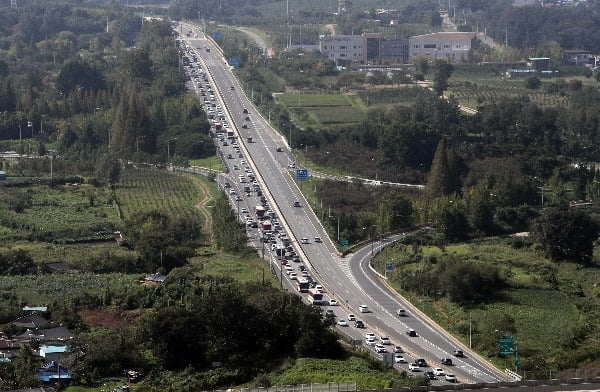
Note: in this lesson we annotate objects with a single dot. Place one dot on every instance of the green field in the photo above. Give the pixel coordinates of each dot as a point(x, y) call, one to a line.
point(554, 305)
point(63, 289)
point(151, 189)
point(313, 100)
point(61, 213)
point(323, 109)
point(211, 163)
point(364, 371)
point(474, 92)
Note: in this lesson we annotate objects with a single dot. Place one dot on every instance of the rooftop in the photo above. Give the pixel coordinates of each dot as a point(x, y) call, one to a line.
point(447, 35)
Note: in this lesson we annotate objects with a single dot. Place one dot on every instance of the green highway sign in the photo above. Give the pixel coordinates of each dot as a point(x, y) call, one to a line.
point(343, 242)
point(507, 346)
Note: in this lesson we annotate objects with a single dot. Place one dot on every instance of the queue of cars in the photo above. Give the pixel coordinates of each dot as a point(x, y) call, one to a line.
point(282, 251)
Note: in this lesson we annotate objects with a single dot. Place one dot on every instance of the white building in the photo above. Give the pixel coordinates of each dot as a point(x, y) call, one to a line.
point(342, 47)
point(453, 47)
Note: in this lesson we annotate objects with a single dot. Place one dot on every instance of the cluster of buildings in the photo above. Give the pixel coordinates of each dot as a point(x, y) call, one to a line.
point(453, 47)
point(52, 342)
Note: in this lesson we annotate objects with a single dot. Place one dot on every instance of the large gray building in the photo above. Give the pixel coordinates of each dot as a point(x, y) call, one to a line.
point(451, 46)
point(370, 47)
point(342, 47)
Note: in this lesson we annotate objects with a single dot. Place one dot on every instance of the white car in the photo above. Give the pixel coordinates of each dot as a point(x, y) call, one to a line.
point(304, 240)
point(370, 342)
point(342, 323)
point(351, 317)
point(385, 340)
point(399, 358)
point(439, 372)
point(332, 302)
point(398, 350)
point(319, 288)
point(413, 367)
point(451, 378)
point(293, 276)
point(363, 309)
point(380, 348)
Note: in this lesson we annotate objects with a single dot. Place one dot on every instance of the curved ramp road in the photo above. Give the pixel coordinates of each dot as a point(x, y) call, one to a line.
point(349, 280)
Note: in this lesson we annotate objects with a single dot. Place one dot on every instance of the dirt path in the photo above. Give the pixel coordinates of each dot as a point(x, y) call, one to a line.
point(202, 206)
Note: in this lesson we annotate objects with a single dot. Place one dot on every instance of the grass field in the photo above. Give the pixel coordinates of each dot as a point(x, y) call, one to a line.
point(312, 100)
point(366, 374)
point(148, 189)
point(212, 163)
point(68, 212)
point(553, 316)
point(65, 289)
point(323, 109)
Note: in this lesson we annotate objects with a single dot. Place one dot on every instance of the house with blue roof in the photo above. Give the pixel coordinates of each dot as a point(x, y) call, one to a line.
point(53, 372)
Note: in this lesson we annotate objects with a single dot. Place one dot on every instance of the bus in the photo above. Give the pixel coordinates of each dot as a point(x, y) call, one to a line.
point(302, 285)
point(266, 225)
point(315, 297)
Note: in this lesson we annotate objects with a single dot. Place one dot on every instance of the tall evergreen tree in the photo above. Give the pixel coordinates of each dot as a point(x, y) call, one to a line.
point(444, 177)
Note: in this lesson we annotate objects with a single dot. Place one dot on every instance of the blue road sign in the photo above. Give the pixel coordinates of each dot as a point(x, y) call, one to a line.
point(389, 267)
point(302, 174)
point(217, 35)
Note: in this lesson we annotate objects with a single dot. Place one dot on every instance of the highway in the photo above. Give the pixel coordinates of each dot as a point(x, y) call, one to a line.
point(349, 280)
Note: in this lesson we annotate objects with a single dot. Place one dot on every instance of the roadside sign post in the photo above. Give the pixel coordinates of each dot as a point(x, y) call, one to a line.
point(388, 268)
point(301, 175)
point(507, 345)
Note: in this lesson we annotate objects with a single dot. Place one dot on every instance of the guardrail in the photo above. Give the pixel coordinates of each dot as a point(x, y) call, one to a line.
point(513, 375)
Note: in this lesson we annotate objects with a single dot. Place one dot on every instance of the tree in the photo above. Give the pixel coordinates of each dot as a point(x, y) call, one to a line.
point(441, 73)
point(435, 19)
point(468, 282)
point(108, 169)
point(566, 234)
point(25, 365)
point(17, 262)
point(79, 74)
point(533, 83)
point(395, 212)
point(444, 176)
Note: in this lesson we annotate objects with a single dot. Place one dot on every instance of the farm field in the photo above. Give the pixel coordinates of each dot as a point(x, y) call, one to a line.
point(64, 289)
point(212, 163)
point(474, 92)
point(64, 213)
point(142, 190)
point(322, 109)
point(562, 297)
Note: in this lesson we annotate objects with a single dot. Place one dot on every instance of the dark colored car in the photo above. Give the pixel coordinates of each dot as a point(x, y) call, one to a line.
point(459, 353)
point(430, 375)
point(359, 324)
point(421, 362)
point(446, 361)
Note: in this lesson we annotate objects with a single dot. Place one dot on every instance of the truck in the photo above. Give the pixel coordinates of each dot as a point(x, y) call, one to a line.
point(302, 285)
point(259, 211)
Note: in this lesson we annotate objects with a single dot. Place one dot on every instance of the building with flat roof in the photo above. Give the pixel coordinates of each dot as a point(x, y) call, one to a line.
point(453, 47)
point(342, 47)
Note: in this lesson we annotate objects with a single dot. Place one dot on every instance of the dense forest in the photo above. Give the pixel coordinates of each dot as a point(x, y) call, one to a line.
point(70, 75)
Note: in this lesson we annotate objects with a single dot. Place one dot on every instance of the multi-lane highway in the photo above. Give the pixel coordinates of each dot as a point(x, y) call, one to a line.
point(350, 280)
